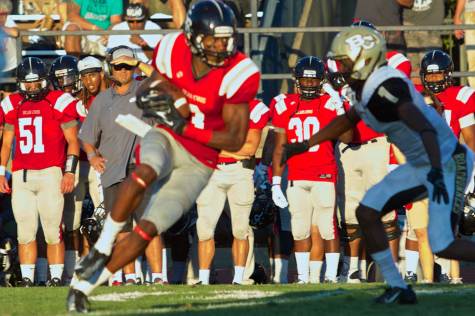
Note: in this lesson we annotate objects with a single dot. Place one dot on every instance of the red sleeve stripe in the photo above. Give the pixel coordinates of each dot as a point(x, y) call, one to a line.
point(235, 77)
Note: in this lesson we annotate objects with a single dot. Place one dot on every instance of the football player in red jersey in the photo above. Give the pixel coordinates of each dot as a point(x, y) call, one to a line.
point(200, 70)
point(233, 180)
point(38, 121)
point(457, 105)
point(311, 175)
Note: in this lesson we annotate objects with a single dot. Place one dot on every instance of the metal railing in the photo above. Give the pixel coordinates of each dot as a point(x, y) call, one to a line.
point(248, 42)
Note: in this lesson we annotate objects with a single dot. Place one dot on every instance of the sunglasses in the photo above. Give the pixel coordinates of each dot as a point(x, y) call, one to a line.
point(135, 21)
point(123, 66)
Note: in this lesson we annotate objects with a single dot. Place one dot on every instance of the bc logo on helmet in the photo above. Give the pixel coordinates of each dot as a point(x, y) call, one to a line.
point(357, 42)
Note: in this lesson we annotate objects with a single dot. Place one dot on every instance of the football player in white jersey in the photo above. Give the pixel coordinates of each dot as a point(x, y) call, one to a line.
point(437, 165)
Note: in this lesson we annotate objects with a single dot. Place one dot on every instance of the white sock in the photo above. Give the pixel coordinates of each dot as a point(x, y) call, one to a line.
point(178, 271)
point(363, 269)
point(56, 270)
point(86, 287)
point(238, 274)
point(444, 265)
point(129, 276)
point(354, 265)
point(332, 259)
point(28, 271)
point(302, 259)
point(388, 268)
point(147, 272)
point(204, 276)
point(117, 276)
point(164, 265)
point(281, 268)
point(70, 259)
point(412, 260)
point(138, 269)
point(109, 232)
point(315, 271)
point(156, 275)
point(41, 270)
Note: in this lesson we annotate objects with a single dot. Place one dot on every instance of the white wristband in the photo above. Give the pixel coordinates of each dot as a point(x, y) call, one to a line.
point(2, 170)
point(276, 180)
point(179, 102)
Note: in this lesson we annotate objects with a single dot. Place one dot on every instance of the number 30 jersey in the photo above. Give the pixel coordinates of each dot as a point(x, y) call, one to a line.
point(300, 119)
point(39, 138)
point(235, 82)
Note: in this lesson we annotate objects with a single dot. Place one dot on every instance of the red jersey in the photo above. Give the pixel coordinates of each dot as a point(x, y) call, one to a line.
point(39, 138)
point(258, 117)
point(301, 119)
point(459, 107)
point(233, 83)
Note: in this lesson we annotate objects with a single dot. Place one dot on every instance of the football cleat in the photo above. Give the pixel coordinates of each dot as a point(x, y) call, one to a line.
point(77, 301)
point(25, 282)
point(456, 281)
point(397, 294)
point(354, 278)
point(116, 283)
point(129, 282)
point(410, 277)
point(444, 278)
point(90, 263)
point(54, 282)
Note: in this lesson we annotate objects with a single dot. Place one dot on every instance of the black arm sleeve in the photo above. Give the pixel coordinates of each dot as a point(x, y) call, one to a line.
point(387, 98)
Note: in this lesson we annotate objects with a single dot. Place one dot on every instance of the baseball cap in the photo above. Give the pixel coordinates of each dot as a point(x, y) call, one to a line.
point(122, 51)
point(89, 64)
point(135, 12)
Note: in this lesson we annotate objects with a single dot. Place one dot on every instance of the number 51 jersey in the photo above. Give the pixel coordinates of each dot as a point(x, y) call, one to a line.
point(300, 119)
point(39, 138)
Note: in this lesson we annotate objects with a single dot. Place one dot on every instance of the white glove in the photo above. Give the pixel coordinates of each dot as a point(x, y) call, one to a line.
point(277, 195)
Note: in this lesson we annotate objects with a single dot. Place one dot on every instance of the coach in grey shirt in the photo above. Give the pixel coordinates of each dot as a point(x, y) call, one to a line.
point(109, 147)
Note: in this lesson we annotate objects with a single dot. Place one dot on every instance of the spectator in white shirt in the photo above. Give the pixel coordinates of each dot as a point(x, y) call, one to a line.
point(136, 19)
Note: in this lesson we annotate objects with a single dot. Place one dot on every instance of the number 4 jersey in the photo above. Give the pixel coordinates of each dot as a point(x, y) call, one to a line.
point(300, 119)
point(39, 138)
point(235, 82)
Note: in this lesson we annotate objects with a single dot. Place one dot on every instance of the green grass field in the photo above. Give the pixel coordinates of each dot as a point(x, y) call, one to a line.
point(229, 300)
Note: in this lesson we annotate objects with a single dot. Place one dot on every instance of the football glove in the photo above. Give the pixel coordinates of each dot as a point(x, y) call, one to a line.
point(436, 177)
point(278, 196)
point(292, 150)
point(156, 103)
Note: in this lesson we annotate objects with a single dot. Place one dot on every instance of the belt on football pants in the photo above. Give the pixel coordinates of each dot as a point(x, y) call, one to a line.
point(246, 163)
point(357, 145)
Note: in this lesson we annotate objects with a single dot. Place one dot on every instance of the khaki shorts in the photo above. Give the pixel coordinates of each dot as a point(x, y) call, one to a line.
point(86, 180)
point(39, 196)
point(361, 168)
point(181, 178)
point(312, 203)
point(234, 183)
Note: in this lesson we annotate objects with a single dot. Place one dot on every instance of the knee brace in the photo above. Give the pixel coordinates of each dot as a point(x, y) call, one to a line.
point(351, 232)
point(392, 230)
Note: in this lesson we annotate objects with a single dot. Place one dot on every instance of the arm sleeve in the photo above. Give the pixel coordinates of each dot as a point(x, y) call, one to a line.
point(387, 98)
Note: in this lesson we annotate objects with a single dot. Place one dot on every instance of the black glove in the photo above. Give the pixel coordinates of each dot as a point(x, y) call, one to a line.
point(156, 103)
point(436, 177)
point(292, 150)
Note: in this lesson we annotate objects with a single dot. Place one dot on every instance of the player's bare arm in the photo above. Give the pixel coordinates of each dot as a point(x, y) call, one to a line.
point(236, 120)
point(468, 134)
point(8, 136)
point(280, 141)
point(71, 136)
